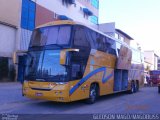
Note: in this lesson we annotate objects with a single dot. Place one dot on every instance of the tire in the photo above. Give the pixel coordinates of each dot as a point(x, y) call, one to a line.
point(158, 89)
point(132, 90)
point(137, 86)
point(93, 94)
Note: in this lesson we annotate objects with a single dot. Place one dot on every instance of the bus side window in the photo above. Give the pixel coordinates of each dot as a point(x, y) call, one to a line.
point(100, 43)
point(76, 71)
point(112, 51)
point(80, 38)
point(91, 38)
point(79, 59)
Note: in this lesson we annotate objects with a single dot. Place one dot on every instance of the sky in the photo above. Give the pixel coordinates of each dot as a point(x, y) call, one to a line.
point(138, 18)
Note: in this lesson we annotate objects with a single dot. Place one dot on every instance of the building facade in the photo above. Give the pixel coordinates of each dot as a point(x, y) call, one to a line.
point(110, 29)
point(37, 12)
point(18, 18)
point(151, 60)
point(158, 64)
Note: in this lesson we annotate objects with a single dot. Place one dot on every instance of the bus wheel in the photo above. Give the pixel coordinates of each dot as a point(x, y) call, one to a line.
point(137, 86)
point(93, 94)
point(158, 89)
point(132, 87)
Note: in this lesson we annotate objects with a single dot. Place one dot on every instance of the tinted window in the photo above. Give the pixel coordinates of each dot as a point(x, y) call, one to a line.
point(101, 43)
point(91, 35)
point(80, 37)
point(45, 65)
point(79, 59)
point(59, 35)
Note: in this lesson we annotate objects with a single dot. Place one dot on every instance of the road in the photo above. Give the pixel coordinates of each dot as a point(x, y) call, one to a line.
point(147, 100)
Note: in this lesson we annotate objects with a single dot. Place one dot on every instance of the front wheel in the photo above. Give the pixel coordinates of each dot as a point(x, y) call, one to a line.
point(93, 94)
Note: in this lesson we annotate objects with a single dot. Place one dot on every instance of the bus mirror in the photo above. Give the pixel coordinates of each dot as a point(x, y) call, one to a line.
point(63, 55)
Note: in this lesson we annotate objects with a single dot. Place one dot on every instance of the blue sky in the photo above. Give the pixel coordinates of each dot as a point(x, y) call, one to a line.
point(138, 18)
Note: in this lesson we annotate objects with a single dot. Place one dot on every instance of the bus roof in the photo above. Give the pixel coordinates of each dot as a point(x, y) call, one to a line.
point(58, 22)
point(70, 22)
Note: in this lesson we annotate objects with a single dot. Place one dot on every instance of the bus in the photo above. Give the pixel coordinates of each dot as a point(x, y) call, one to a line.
point(159, 88)
point(154, 77)
point(67, 61)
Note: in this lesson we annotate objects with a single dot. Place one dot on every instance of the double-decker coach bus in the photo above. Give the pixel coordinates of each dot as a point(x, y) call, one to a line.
point(68, 61)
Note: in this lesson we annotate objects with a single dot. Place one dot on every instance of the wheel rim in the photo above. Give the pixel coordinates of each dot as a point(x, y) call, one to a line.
point(135, 88)
point(132, 88)
point(93, 93)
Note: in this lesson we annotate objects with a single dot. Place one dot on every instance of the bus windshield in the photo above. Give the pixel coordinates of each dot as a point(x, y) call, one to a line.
point(45, 66)
point(52, 35)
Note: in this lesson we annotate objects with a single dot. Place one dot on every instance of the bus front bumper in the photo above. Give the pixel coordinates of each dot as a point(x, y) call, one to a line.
point(58, 95)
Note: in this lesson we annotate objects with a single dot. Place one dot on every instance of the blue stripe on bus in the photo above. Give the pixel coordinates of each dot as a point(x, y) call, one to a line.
point(74, 88)
point(107, 78)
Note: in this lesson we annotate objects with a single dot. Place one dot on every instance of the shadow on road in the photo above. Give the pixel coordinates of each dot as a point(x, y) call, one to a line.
point(76, 104)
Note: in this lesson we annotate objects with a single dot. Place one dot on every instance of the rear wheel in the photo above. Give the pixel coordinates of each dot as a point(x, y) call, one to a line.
point(93, 94)
point(137, 86)
point(132, 90)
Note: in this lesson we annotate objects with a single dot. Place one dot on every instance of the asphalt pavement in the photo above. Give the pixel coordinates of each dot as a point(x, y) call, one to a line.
point(147, 100)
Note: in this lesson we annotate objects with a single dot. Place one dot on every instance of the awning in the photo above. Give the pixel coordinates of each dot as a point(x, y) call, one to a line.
point(87, 11)
point(63, 17)
point(71, 1)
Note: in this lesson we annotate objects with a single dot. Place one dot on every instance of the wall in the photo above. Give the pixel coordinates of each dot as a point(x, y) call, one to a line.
point(150, 57)
point(43, 15)
point(120, 36)
point(7, 40)
point(108, 28)
point(87, 3)
point(74, 12)
point(155, 62)
point(9, 11)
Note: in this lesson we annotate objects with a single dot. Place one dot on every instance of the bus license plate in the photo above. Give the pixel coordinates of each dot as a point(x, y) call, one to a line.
point(39, 94)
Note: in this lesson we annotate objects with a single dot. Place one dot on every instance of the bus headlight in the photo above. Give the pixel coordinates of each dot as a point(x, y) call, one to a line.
point(61, 83)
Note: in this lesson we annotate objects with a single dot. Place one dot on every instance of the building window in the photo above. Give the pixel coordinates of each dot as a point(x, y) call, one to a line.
point(81, 9)
point(28, 14)
point(122, 38)
point(94, 19)
point(116, 35)
point(55, 16)
point(95, 3)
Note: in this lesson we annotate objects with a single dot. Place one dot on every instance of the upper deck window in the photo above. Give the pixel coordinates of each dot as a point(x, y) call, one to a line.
point(54, 35)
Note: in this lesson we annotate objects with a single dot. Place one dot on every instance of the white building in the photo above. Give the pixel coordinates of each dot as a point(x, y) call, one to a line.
point(110, 29)
point(151, 60)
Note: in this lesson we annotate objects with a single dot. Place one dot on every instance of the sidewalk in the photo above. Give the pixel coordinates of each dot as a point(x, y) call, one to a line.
point(9, 83)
